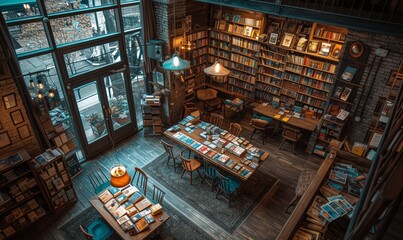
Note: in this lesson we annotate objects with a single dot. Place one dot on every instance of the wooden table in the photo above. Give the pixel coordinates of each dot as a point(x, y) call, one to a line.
point(308, 124)
point(98, 205)
point(196, 136)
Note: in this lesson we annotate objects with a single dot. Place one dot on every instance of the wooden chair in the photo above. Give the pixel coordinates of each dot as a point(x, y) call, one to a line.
point(140, 179)
point(227, 187)
point(290, 135)
point(169, 150)
point(158, 195)
point(216, 119)
point(210, 174)
point(97, 230)
point(98, 180)
point(305, 178)
point(235, 129)
point(259, 125)
point(190, 165)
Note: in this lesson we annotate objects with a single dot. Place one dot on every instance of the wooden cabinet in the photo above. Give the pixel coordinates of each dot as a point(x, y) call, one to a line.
point(22, 202)
point(54, 179)
point(152, 123)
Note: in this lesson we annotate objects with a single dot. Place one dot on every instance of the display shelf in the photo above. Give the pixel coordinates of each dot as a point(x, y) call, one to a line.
point(151, 107)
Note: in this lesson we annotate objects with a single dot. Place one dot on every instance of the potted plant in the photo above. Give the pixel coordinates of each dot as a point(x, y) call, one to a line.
point(119, 110)
point(97, 123)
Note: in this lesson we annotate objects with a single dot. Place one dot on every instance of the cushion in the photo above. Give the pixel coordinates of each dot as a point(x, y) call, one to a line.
point(259, 122)
point(267, 119)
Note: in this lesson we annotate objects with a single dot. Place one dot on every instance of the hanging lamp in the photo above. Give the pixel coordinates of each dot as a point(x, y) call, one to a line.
point(176, 63)
point(217, 70)
point(119, 176)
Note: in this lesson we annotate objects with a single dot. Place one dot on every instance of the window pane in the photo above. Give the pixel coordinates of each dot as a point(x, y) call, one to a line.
point(53, 6)
point(18, 9)
point(83, 26)
point(92, 58)
point(28, 37)
point(131, 17)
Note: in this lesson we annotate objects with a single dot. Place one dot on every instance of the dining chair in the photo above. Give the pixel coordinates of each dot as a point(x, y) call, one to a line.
point(228, 187)
point(169, 150)
point(291, 135)
point(98, 180)
point(235, 129)
point(158, 195)
point(259, 125)
point(210, 174)
point(97, 230)
point(216, 119)
point(140, 179)
point(190, 165)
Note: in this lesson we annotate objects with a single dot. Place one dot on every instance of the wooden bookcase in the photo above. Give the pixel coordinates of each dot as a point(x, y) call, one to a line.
point(55, 181)
point(22, 200)
point(152, 122)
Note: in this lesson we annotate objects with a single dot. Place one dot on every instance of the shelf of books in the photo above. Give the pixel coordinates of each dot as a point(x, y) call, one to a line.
point(331, 197)
point(152, 122)
point(21, 200)
point(51, 169)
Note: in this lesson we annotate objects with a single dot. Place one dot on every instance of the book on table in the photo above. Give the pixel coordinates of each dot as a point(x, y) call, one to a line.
point(156, 209)
point(115, 191)
point(105, 196)
point(143, 204)
point(141, 225)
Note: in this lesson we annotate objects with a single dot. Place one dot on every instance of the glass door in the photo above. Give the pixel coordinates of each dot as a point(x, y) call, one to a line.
point(104, 112)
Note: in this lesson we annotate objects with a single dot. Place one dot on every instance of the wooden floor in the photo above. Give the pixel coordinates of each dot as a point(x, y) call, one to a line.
point(264, 223)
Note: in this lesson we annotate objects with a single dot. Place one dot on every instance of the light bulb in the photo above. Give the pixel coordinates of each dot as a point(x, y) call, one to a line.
point(217, 68)
point(40, 84)
point(51, 93)
point(40, 94)
point(176, 61)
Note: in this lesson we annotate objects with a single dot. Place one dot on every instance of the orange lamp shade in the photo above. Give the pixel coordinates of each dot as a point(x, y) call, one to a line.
point(119, 176)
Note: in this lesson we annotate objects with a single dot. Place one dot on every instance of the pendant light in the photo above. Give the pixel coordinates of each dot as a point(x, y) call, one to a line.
point(119, 176)
point(217, 70)
point(176, 63)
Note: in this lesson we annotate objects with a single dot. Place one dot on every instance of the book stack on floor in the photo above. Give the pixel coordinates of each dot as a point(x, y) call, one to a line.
point(335, 199)
point(131, 209)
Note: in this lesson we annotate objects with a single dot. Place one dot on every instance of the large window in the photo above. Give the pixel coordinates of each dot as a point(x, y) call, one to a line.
point(74, 40)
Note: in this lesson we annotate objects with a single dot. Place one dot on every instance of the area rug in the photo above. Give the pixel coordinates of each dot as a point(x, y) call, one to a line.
point(177, 227)
point(200, 197)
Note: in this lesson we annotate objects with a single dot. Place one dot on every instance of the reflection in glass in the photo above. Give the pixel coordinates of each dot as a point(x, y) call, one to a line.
point(83, 26)
point(53, 6)
point(92, 58)
point(131, 17)
point(117, 100)
point(18, 9)
point(28, 37)
point(92, 115)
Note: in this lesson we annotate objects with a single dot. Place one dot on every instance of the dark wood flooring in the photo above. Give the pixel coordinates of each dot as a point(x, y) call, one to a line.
point(264, 223)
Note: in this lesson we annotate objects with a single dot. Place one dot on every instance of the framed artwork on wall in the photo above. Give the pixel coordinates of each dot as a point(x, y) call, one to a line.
point(313, 46)
point(287, 40)
point(273, 38)
point(24, 132)
point(159, 76)
point(17, 117)
point(4, 140)
point(10, 101)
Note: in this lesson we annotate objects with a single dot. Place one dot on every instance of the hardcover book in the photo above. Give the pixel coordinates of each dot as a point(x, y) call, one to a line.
point(143, 204)
point(349, 73)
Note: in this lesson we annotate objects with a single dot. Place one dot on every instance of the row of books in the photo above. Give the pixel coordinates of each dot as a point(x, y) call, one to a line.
point(243, 67)
point(321, 32)
point(269, 80)
point(270, 63)
point(311, 101)
point(197, 35)
point(241, 84)
point(220, 36)
point(246, 93)
point(245, 77)
point(313, 92)
point(199, 52)
point(273, 55)
point(271, 72)
point(244, 51)
point(267, 88)
point(318, 75)
point(293, 68)
point(315, 84)
point(47, 156)
point(292, 77)
point(217, 52)
point(244, 60)
point(229, 16)
point(245, 43)
point(220, 44)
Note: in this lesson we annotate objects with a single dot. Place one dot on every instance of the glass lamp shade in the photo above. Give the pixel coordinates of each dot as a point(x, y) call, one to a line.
point(119, 176)
point(175, 63)
point(217, 70)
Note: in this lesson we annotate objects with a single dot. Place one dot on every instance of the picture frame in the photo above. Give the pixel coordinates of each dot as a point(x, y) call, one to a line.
point(348, 73)
point(9, 101)
point(325, 49)
point(273, 38)
point(159, 76)
point(4, 140)
point(24, 132)
point(287, 40)
point(17, 117)
point(301, 43)
point(313, 46)
point(336, 51)
point(345, 94)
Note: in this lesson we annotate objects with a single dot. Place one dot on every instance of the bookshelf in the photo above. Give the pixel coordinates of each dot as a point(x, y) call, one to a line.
point(22, 202)
point(152, 122)
point(51, 170)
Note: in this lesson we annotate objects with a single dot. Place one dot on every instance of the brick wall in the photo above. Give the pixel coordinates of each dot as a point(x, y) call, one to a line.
point(357, 130)
point(30, 143)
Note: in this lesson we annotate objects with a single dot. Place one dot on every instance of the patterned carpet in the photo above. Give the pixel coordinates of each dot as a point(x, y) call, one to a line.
point(202, 199)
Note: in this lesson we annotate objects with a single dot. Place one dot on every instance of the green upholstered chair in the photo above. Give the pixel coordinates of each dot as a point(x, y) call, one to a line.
point(228, 187)
point(97, 230)
point(98, 180)
point(210, 174)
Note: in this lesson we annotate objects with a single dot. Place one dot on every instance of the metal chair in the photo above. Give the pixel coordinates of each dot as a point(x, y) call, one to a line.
point(291, 135)
point(190, 165)
point(227, 187)
point(140, 179)
point(158, 195)
point(235, 129)
point(169, 150)
point(98, 180)
point(97, 230)
point(210, 174)
point(216, 119)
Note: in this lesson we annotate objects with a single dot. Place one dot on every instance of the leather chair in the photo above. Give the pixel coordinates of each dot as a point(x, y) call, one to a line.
point(210, 175)
point(228, 187)
point(169, 150)
point(235, 129)
point(97, 230)
point(259, 125)
point(190, 165)
point(216, 119)
point(140, 179)
point(291, 135)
